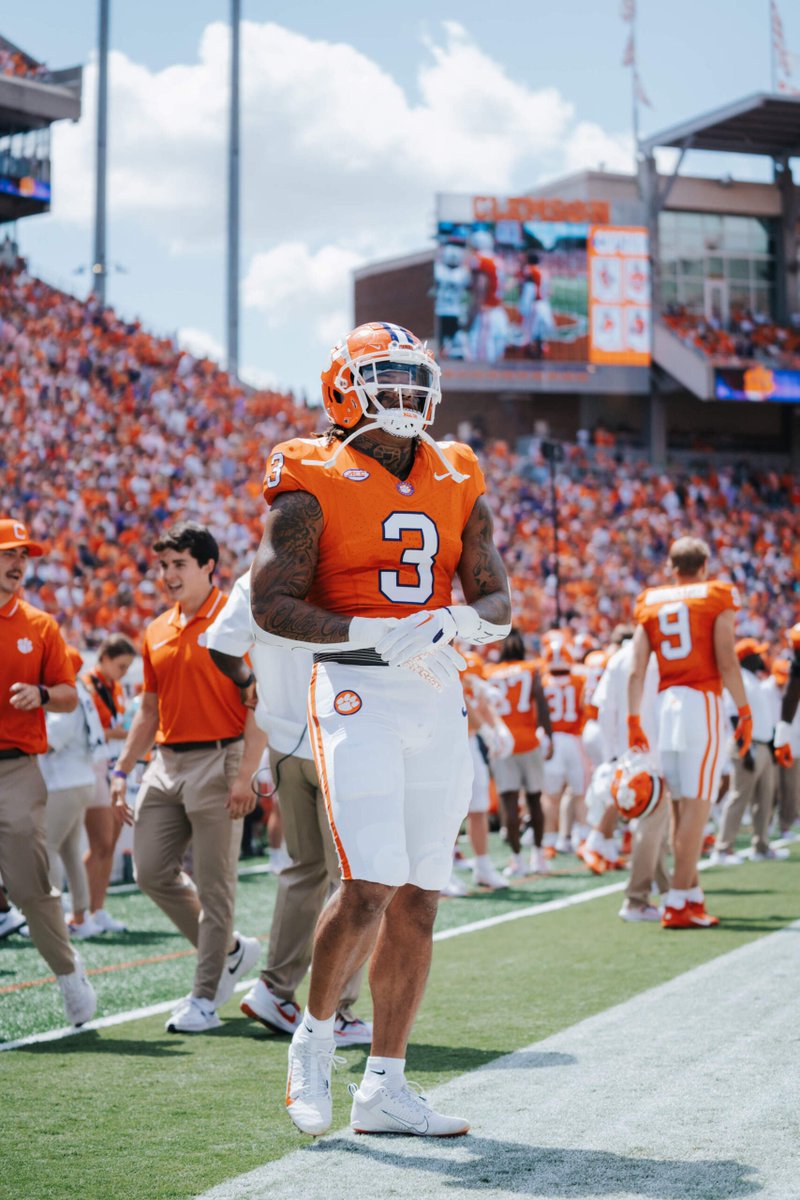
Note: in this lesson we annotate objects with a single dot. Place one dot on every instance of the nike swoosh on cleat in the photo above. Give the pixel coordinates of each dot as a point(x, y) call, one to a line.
point(418, 1127)
point(372, 1071)
point(463, 712)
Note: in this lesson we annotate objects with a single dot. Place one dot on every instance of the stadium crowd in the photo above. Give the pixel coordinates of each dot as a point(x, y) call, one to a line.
point(111, 433)
point(746, 337)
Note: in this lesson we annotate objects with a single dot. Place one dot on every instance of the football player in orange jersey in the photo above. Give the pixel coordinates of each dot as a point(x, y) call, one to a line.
point(523, 707)
point(565, 772)
point(357, 561)
point(689, 625)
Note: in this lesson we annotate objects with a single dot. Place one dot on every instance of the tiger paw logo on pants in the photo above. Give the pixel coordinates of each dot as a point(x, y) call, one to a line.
point(347, 703)
point(25, 645)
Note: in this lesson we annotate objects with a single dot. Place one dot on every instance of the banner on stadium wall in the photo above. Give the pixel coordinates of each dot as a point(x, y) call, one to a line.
point(757, 383)
point(620, 307)
point(31, 189)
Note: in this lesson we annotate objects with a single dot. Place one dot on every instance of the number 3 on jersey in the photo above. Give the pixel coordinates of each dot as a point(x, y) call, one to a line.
point(673, 621)
point(421, 558)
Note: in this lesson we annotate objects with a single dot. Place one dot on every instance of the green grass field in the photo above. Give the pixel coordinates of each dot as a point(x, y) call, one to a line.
point(133, 1112)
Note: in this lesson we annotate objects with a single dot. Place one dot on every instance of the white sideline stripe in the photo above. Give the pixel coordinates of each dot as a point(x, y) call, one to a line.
point(153, 1010)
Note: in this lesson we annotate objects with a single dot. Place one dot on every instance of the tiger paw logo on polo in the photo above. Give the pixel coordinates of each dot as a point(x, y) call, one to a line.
point(346, 703)
point(25, 645)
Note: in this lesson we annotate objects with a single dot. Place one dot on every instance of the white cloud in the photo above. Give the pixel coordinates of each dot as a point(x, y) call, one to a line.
point(339, 163)
point(201, 344)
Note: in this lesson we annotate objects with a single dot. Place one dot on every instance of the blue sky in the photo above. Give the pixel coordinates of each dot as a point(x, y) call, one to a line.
point(354, 115)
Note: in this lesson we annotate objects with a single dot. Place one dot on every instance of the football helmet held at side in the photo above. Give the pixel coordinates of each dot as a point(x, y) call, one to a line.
point(637, 786)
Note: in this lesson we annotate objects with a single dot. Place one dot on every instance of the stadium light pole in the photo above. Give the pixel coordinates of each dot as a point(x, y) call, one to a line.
point(99, 265)
point(233, 196)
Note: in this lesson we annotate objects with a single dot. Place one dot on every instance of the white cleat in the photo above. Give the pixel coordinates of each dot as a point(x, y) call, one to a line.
point(263, 1005)
point(106, 923)
point(639, 912)
point(488, 877)
point(454, 887)
point(771, 854)
point(352, 1032)
point(237, 964)
point(80, 1002)
point(195, 1015)
point(403, 1111)
point(724, 858)
point(308, 1084)
point(11, 922)
point(516, 869)
point(540, 864)
point(86, 929)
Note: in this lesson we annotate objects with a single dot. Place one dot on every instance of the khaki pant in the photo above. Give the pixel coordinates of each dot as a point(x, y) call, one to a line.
point(303, 887)
point(63, 829)
point(756, 788)
point(182, 799)
point(788, 795)
point(23, 860)
point(649, 855)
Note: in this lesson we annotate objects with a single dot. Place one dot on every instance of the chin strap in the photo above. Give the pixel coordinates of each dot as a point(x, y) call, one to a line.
point(423, 435)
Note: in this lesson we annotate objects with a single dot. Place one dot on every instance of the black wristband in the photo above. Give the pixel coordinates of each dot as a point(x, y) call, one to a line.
point(44, 695)
point(251, 678)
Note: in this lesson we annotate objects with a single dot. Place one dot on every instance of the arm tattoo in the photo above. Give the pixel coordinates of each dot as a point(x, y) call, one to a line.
point(481, 570)
point(283, 572)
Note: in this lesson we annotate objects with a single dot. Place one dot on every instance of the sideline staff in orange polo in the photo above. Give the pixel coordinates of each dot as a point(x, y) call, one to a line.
point(35, 675)
point(197, 786)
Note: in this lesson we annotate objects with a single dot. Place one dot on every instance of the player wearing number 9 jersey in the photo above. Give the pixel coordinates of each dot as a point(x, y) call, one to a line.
point(689, 625)
point(367, 526)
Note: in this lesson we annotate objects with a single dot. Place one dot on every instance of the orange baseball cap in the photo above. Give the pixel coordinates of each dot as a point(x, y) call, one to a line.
point(747, 646)
point(14, 533)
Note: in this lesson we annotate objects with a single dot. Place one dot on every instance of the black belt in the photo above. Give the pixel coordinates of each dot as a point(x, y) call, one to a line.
point(14, 752)
point(184, 747)
point(351, 658)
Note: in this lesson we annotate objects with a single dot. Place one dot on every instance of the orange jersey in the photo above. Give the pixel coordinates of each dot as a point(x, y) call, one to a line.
point(388, 547)
point(196, 702)
point(679, 622)
point(32, 650)
point(517, 707)
point(564, 692)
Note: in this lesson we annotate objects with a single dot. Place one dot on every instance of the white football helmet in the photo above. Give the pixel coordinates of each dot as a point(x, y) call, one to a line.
point(637, 786)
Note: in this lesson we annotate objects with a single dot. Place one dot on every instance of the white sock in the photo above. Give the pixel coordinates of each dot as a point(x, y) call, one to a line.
point(482, 862)
point(696, 895)
point(383, 1072)
point(595, 841)
point(676, 898)
point(317, 1028)
point(549, 839)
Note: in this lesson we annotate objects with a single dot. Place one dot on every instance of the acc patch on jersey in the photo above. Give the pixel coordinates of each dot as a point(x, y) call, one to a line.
point(356, 474)
point(346, 703)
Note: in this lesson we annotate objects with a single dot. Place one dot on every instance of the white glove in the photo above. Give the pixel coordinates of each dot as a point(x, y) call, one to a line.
point(362, 634)
point(439, 668)
point(498, 738)
point(423, 631)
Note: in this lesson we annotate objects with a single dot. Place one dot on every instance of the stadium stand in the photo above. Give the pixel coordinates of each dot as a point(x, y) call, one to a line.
point(111, 432)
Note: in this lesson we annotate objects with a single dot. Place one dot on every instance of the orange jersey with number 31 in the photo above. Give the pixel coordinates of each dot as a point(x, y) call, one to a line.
point(679, 623)
point(564, 692)
point(389, 547)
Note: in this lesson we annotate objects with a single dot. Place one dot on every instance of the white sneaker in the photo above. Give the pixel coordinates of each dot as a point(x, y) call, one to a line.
point(106, 923)
point(279, 860)
point(563, 845)
point(403, 1111)
point(454, 887)
point(237, 964)
point(772, 854)
point(516, 869)
point(11, 922)
point(540, 865)
point(527, 837)
point(352, 1032)
point(308, 1085)
point(86, 929)
point(194, 1016)
point(488, 877)
point(637, 912)
point(724, 858)
point(263, 1005)
point(80, 1002)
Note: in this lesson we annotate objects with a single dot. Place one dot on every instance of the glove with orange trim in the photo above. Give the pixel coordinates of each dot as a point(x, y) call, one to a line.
point(783, 751)
point(743, 733)
point(637, 738)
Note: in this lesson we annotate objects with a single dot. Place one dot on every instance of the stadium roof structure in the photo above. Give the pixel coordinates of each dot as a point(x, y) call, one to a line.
point(759, 124)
